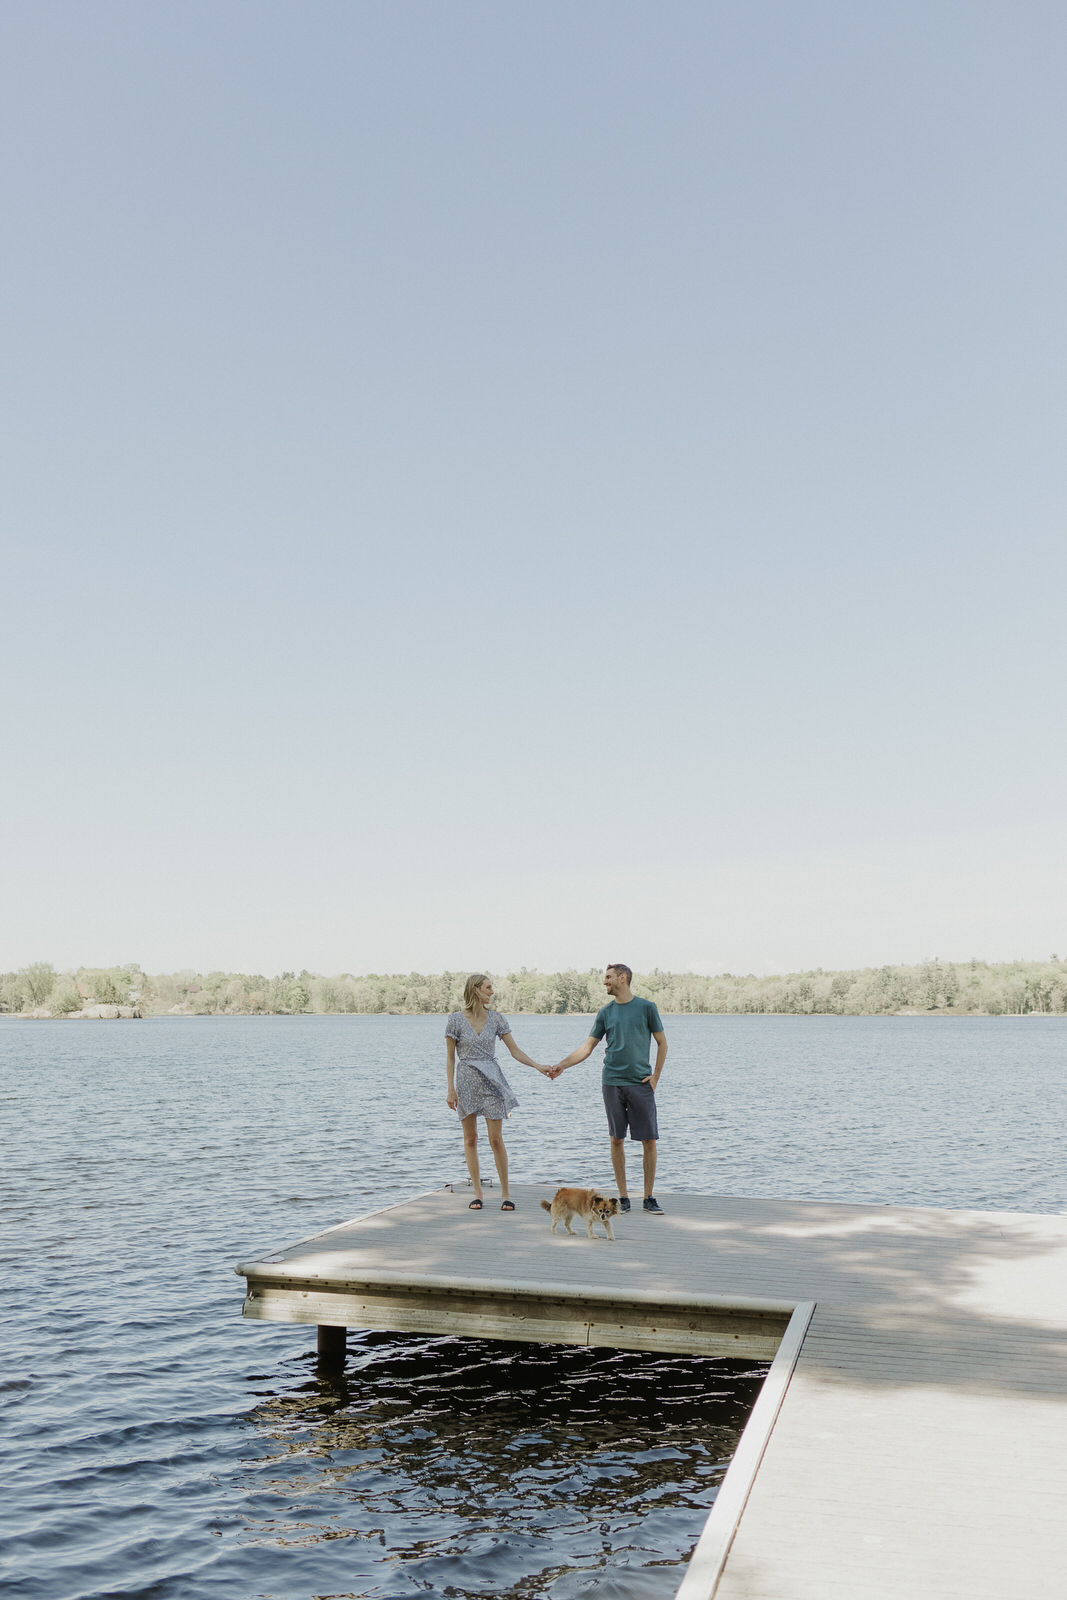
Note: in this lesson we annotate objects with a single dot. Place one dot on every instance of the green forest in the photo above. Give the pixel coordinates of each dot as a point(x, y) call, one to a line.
point(932, 987)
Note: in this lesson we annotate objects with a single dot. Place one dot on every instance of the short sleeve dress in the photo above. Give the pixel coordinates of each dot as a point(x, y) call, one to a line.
point(481, 1088)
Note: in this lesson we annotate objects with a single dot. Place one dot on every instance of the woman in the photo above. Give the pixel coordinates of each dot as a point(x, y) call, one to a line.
point(476, 1084)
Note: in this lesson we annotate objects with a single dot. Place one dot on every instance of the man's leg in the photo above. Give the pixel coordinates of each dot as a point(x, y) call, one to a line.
point(618, 1164)
point(618, 1127)
point(500, 1155)
point(649, 1146)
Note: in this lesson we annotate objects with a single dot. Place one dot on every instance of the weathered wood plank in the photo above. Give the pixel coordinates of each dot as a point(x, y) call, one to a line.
point(496, 1320)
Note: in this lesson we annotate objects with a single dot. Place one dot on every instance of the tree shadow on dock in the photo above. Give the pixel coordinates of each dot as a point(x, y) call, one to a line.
point(967, 1300)
point(964, 1301)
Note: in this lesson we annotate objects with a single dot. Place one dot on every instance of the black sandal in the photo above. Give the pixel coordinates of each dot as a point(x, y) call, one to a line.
point(475, 1205)
point(507, 1205)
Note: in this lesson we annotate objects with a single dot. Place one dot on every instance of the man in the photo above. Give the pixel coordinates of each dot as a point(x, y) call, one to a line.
point(628, 1023)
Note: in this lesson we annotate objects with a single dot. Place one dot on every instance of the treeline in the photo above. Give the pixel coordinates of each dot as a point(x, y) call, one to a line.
point(972, 988)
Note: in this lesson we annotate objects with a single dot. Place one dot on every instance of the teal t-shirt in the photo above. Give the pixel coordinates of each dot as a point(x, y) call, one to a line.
point(628, 1029)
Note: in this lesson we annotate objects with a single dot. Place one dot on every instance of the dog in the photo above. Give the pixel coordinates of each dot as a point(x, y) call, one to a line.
point(584, 1203)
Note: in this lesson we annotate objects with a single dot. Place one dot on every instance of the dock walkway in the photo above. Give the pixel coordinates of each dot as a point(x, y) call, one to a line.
point(910, 1442)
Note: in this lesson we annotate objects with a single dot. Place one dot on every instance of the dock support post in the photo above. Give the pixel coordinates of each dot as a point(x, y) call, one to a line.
point(332, 1346)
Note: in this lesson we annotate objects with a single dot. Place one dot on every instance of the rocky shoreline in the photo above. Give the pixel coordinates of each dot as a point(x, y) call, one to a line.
point(86, 1014)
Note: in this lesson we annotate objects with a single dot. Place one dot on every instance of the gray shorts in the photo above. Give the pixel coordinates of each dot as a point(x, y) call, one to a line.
point(631, 1106)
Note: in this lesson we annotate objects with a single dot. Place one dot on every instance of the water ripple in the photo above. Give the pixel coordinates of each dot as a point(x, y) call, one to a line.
point(153, 1444)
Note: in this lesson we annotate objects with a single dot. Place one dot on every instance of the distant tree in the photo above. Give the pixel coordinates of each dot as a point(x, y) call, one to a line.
point(12, 993)
point(38, 980)
point(571, 992)
point(297, 997)
point(330, 995)
point(111, 988)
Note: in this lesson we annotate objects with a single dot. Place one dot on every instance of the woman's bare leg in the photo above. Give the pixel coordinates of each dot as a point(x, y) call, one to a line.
point(470, 1151)
point(500, 1155)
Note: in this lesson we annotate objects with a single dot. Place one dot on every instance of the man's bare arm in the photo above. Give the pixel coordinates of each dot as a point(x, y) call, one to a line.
point(661, 1056)
point(583, 1052)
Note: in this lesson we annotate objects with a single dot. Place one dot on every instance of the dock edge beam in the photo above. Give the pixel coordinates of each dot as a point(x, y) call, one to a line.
point(709, 1558)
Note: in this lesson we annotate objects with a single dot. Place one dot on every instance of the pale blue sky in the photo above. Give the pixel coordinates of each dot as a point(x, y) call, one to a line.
point(494, 484)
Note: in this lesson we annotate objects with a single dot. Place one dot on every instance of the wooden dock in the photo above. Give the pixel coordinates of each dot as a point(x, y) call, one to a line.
point(910, 1442)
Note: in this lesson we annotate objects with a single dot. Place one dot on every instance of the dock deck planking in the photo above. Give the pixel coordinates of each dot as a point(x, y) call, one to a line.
point(920, 1449)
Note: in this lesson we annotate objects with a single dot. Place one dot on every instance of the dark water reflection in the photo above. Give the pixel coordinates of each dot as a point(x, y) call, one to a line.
point(471, 1468)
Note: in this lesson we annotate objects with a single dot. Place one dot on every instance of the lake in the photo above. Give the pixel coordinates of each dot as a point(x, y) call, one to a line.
point(155, 1444)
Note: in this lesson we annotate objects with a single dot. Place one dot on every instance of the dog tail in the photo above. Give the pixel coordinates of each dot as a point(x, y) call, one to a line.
point(545, 1206)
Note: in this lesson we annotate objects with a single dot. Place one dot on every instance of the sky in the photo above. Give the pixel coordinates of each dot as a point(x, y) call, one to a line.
point(532, 485)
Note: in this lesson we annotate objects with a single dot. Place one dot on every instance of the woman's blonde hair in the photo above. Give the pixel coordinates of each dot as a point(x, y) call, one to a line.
point(471, 997)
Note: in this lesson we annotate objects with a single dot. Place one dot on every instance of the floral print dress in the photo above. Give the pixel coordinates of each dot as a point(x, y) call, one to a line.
point(481, 1088)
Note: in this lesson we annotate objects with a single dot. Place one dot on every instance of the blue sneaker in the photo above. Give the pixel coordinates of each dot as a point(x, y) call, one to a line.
point(652, 1204)
point(624, 1202)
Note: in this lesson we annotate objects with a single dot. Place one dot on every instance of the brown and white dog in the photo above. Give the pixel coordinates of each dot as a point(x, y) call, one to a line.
point(584, 1203)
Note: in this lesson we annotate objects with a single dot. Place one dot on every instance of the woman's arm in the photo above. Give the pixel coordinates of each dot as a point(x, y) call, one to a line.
point(520, 1055)
point(452, 1100)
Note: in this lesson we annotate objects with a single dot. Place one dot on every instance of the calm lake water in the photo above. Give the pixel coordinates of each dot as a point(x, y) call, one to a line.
point(152, 1443)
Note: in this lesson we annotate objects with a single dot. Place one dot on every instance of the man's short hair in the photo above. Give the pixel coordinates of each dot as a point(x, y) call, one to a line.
point(620, 966)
